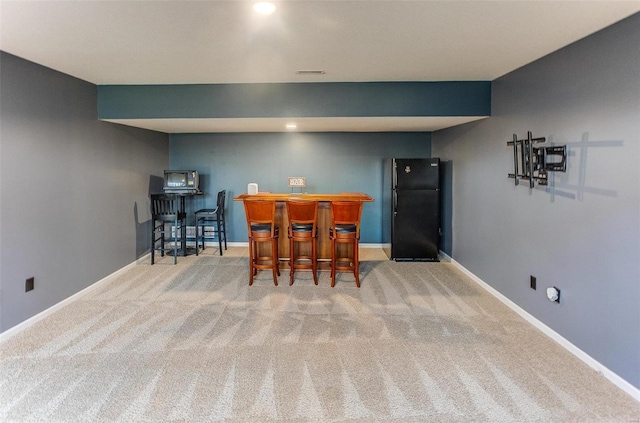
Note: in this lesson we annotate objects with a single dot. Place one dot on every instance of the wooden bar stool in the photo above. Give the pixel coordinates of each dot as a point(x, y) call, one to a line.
point(261, 227)
point(345, 229)
point(303, 227)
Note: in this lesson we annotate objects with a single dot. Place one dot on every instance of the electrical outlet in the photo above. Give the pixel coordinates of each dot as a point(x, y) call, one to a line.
point(553, 294)
point(532, 282)
point(29, 284)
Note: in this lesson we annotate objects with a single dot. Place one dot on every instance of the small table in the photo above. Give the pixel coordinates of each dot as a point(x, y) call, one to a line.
point(184, 251)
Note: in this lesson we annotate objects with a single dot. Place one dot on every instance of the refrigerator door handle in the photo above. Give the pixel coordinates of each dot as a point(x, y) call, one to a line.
point(395, 202)
point(394, 175)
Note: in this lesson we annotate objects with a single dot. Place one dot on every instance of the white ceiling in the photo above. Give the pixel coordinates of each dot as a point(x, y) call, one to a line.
point(184, 42)
point(320, 124)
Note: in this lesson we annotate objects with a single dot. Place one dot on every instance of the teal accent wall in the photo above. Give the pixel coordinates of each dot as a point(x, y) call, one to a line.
point(331, 162)
point(345, 99)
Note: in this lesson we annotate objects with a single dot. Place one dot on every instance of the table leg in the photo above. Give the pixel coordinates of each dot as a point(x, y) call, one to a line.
point(183, 231)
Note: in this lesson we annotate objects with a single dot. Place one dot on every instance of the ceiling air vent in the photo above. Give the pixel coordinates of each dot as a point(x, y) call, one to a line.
point(310, 72)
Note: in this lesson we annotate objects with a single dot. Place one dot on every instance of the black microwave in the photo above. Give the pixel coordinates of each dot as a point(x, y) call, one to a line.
point(181, 181)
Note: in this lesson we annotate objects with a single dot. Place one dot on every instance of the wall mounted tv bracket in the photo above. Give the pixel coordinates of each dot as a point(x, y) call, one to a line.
point(535, 162)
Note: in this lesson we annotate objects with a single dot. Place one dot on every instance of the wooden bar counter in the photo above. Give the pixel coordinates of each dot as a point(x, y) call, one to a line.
point(324, 220)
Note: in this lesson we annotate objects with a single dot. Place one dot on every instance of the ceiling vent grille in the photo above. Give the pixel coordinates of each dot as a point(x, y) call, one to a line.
point(310, 72)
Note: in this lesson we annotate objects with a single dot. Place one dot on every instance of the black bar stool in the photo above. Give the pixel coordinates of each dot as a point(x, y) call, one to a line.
point(166, 209)
point(214, 220)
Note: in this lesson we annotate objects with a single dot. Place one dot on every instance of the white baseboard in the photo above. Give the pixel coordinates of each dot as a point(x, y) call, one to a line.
point(370, 245)
point(445, 257)
point(229, 244)
point(586, 358)
point(43, 314)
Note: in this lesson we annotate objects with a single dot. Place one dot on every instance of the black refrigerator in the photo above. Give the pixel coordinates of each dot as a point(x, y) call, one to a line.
point(411, 209)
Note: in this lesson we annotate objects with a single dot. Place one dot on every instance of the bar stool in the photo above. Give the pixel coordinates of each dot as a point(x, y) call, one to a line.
point(166, 209)
point(211, 222)
point(345, 229)
point(261, 227)
point(303, 227)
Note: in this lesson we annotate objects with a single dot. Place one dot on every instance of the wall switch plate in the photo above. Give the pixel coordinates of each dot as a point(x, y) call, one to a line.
point(532, 282)
point(29, 284)
point(297, 181)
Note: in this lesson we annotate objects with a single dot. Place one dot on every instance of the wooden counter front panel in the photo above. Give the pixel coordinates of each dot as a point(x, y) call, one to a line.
point(304, 248)
point(324, 222)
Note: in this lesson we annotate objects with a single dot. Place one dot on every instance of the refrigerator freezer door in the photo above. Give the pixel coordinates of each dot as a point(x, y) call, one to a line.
point(417, 174)
point(416, 225)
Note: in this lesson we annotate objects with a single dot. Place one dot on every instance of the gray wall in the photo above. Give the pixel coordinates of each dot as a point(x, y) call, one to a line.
point(74, 203)
point(582, 234)
point(331, 162)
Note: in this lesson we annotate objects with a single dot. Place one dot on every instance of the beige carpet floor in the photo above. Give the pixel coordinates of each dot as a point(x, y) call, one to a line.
point(419, 342)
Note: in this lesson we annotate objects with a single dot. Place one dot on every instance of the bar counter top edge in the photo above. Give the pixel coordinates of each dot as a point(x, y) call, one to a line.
point(343, 196)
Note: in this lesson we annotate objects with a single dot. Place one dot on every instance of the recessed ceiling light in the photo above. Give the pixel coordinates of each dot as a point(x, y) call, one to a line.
point(291, 126)
point(264, 7)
